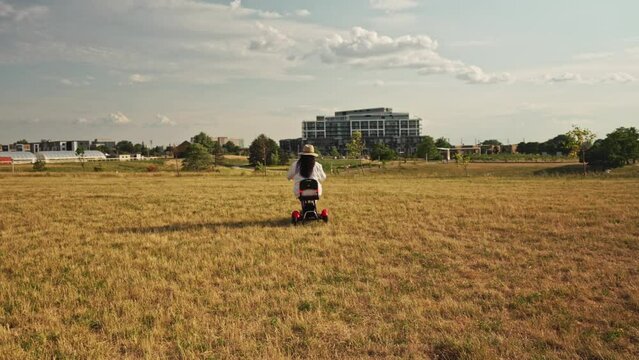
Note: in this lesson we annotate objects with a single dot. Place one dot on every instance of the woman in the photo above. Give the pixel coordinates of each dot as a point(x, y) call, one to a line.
point(306, 168)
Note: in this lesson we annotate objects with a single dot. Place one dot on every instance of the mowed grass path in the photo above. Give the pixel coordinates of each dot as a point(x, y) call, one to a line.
point(410, 266)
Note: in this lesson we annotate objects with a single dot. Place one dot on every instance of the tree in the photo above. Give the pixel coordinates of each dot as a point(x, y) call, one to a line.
point(492, 142)
point(579, 140)
point(383, 153)
point(427, 149)
point(285, 157)
point(140, 149)
point(104, 149)
point(23, 141)
point(218, 154)
point(619, 148)
point(356, 146)
point(528, 148)
point(263, 150)
point(558, 144)
point(197, 158)
point(203, 139)
point(231, 148)
point(334, 152)
point(79, 152)
point(157, 151)
point(443, 143)
point(125, 147)
point(463, 160)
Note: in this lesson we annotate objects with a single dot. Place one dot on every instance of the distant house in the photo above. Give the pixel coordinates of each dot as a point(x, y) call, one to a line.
point(181, 149)
point(124, 157)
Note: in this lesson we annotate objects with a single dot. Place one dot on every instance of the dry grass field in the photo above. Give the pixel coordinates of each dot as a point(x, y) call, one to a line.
point(417, 262)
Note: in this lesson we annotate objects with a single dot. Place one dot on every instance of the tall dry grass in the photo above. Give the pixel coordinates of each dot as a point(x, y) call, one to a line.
point(411, 265)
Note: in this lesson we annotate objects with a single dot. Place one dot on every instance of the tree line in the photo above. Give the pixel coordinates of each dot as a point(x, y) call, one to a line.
point(619, 148)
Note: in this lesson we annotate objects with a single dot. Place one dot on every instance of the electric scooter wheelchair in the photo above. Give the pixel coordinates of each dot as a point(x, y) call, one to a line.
point(308, 196)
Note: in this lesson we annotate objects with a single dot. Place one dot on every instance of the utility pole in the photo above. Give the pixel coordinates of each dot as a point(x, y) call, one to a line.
point(177, 165)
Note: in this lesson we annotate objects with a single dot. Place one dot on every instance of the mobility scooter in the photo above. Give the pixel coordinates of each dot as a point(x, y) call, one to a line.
point(308, 195)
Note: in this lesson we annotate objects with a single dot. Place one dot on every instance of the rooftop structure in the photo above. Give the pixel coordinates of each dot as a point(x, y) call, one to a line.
point(398, 130)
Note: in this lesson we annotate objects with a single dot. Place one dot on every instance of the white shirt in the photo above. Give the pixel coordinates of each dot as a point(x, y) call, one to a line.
point(317, 174)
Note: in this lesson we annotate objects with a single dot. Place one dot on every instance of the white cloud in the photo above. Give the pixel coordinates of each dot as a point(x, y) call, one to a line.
point(236, 4)
point(475, 75)
point(473, 43)
point(634, 51)
point(302, 13)
point(165, 120)
point(619, 77)
point(76, 82)
point(570, 77)
point(118, 118)
point(176, 40)
point(139, 78)
point(271, 40)
point(82, 121)
point(367, 48)
point(563, 78)
point(8, 12)
point(593, 56)
point(393, 5)
point(269, 14)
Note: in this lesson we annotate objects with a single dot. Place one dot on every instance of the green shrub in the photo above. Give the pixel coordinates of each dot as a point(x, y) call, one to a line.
point(39, 166)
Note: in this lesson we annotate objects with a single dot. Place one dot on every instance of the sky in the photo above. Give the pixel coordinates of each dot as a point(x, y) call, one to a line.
point(164, 70)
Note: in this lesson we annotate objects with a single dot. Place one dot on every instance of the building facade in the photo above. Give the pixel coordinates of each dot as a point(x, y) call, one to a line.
point(108, 143)
point(222, 140)
point(70, 145)
point(397, 130)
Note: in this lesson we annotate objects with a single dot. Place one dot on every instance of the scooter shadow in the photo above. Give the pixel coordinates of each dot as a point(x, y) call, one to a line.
point(267, 223)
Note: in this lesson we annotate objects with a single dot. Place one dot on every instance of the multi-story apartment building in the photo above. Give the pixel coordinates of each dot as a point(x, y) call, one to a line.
point(222, 140)
point(398, 130)
point(71, 145)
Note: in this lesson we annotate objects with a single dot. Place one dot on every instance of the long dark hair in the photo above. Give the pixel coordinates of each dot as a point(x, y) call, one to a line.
point(305, 165)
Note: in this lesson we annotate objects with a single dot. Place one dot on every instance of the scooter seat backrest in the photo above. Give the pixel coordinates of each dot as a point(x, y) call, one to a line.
point(309, 189)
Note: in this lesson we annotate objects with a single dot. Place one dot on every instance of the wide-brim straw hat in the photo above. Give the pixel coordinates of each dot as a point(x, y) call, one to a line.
point(309, 150)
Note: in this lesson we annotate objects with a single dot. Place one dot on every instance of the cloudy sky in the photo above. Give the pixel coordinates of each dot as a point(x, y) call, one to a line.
point(163, 70)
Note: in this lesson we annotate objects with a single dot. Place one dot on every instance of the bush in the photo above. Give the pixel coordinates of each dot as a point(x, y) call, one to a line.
point(382, 152)
point(152, 168)
point(197, 158)
point(98, 168)
point(39, 166)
